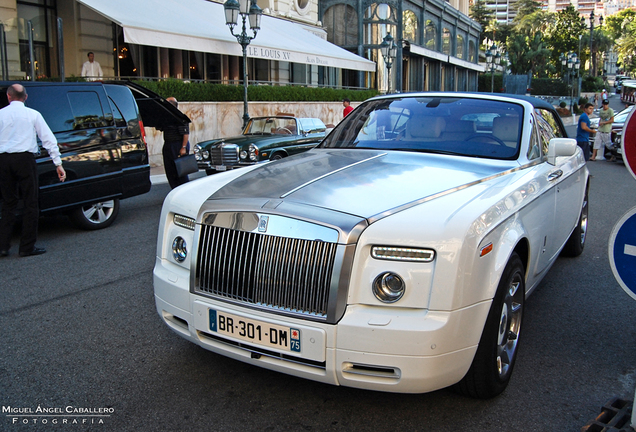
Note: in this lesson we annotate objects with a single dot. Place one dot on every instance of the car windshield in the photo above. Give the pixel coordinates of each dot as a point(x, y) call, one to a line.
point(622, 116)
point(448, 125)
point(271, 125)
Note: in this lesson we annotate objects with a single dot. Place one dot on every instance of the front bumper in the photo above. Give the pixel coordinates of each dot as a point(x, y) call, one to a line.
point(372, 347)
point(207, 165)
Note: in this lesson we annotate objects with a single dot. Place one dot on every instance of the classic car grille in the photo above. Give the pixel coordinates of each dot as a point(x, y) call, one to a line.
point(285, 274)
point(224, 154)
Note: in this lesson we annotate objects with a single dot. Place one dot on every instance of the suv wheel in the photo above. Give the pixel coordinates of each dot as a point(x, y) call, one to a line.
point(96, 216)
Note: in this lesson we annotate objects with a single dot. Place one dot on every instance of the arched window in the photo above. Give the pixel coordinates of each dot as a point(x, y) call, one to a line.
point(446, 41)
point(430, 37)
point(341, 23)
point(409, 26)
point(379, 19)
point(459, 53)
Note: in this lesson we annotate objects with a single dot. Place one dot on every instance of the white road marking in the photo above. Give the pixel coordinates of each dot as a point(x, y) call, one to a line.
point(630, 250)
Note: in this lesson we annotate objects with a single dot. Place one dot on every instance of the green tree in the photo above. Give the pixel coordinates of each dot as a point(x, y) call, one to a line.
point(615, 24)
point(525, 8)
point(626, 47)
point(480, 13)
point(566, 35)
point(518, 50)
point(538, 21)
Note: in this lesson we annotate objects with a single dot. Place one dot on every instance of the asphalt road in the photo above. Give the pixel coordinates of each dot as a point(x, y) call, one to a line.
point(79, 332)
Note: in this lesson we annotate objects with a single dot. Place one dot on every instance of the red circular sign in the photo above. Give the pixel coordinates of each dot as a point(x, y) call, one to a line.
point(629, 143)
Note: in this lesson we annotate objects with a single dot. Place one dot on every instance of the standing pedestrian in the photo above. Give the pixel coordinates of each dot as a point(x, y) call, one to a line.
point(91, 69)
point(346, 103)
point(604, 133)
point(583, 130)
point(175, 144)
point(18, 173)
point(604, 95)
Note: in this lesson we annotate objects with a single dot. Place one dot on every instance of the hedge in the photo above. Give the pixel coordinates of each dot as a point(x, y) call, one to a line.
point(205, 92)
point(549, 87)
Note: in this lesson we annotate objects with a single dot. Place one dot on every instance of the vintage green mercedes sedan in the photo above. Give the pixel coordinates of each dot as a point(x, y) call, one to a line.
point(264, 138)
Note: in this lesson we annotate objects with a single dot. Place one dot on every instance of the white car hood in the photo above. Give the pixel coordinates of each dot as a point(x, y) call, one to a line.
point(363, 183)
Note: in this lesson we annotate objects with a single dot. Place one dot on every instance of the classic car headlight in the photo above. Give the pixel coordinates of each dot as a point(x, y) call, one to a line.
point(179, 249)
point(200, 153)
point(253, 153)
point(388, 287)
point(402, 254)
point(243, 154)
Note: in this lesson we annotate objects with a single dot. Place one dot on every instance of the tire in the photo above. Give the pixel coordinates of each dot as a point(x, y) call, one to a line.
point(96, 216)
point(277, 156)
point(492, 367)
point(576, 243)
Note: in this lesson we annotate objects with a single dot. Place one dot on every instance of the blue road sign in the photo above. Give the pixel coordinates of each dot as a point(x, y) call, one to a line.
point(622, 252)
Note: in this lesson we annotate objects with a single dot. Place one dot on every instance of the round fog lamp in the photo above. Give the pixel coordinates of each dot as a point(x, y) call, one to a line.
point(179, 249)
point(388, 287)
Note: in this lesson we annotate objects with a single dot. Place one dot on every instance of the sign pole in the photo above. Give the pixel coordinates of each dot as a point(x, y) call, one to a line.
point(622, 241)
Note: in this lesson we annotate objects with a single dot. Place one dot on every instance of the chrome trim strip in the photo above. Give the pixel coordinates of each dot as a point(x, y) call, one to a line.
point(411, 204)
point(331, 173)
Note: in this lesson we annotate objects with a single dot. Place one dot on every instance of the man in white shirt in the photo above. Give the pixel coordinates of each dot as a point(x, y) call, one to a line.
point(91, 69)
point(18, 172)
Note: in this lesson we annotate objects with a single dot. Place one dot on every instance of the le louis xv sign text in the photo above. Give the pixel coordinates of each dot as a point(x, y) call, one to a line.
point(280, 55)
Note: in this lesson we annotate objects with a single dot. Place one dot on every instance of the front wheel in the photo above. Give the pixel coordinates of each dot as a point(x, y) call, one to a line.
point(494, 361)
point(96, 216)
point(576, 243)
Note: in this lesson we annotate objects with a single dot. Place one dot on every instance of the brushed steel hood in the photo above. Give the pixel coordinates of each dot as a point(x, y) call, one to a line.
point(363, 183)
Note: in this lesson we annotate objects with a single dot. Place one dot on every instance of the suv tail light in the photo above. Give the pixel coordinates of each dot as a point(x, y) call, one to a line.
point(143, 131)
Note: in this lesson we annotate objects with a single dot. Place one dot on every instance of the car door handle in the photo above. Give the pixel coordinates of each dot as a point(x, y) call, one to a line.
point(555, 175)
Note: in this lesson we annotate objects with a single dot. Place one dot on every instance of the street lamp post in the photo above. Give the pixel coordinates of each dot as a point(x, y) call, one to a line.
point(570, 66)
point(591, 33)
point(577, 65)
point(248, 10)
point(388, 48)
point(493, 57)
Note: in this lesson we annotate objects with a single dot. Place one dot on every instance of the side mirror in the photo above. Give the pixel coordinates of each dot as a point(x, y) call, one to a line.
point(561, 147)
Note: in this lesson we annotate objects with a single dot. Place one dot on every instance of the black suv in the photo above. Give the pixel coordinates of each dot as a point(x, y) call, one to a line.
point(99, 129)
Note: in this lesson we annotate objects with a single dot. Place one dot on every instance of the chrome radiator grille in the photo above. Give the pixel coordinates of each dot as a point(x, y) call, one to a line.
point(224, 154)
point(273, 272)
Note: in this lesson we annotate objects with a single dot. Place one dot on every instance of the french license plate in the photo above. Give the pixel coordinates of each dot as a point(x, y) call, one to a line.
point(220, 167)
point(254, 331)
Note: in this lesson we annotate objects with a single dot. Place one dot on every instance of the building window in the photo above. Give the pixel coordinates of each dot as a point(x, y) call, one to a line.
point(379, 19)
point(44, 39)
point(460, 47)
point(446, 41)
point(341, 23)
point(430, 38)
point(409, 26)
point(472, 52)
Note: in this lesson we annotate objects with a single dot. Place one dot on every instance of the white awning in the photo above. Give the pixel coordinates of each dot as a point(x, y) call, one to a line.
point(199, 25)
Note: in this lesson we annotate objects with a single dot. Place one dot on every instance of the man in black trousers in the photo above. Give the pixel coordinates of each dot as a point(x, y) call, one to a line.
point(18, 172)
point(175, 144)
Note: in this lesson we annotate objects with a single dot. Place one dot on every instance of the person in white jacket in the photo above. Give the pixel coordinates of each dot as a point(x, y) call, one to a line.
point(91, 69)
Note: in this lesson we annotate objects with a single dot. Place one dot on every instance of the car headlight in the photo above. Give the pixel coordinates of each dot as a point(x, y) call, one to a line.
point(402, 254)
point(243, 154)
point(200, 153)
point(179, 249)
point(253, 153)
point(388, 287)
